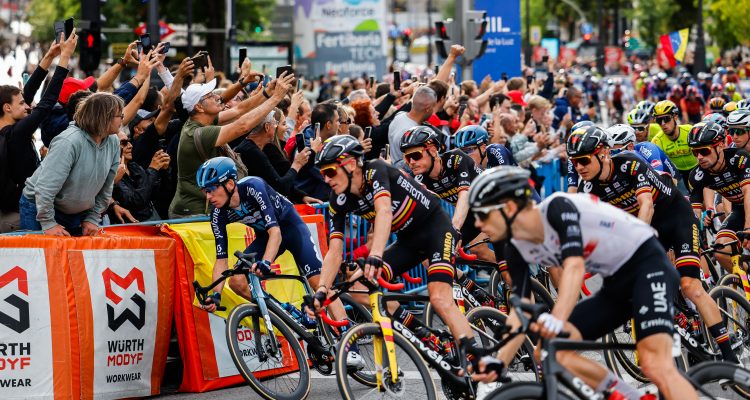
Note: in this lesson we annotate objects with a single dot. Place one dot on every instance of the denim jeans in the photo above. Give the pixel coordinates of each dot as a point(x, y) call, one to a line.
point(27, 209)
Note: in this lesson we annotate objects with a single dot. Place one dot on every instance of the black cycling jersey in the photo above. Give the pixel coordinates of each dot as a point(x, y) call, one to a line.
point(630, 177)
point(411, 203)
point(458, 171)
point(728, 182)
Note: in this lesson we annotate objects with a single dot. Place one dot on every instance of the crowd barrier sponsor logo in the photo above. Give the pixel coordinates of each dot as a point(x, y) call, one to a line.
point(25, 326)
point(134, 276)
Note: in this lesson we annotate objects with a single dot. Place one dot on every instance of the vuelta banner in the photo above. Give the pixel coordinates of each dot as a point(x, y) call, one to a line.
point(344, 37)
point(503, 36)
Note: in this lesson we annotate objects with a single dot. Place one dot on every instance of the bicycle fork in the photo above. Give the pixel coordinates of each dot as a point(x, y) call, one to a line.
point(260, 299)
point(390, 347)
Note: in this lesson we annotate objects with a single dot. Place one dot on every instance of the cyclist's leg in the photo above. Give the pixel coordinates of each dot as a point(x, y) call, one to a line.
point(653, 310)
point(398, 258)
point(733, 223)
point(239, 283)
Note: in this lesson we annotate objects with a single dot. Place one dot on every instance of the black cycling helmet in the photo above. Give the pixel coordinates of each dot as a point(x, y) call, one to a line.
point(420, 136)
point(499, 183)
point(338, 148)
point(706, 134)
point(585, 141)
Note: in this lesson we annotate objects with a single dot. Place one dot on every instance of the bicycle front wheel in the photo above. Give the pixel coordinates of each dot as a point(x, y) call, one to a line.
point(522, 391)
point(735, 313)
point(414, 381)
point(280, 373)
point(716, 377)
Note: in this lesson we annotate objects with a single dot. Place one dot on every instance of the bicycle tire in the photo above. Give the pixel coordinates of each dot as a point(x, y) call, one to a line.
point(522, 391)
point(298, 391)
point(722, 373)
point(624, 361)
point(731, 280)
point(358, 314)
point(524, 356)
point(410, 353)
point(738, 325)
point(538, 290)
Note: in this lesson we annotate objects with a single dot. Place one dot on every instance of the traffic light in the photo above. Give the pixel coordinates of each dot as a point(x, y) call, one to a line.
point(476, 27)
point(449, 34)
point(90, 47)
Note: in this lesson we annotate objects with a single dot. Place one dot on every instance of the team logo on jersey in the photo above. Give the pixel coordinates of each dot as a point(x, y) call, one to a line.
point(268, 219)
point(685, 247)
point(23, 321)
point(464, 174)
point(641, 178)
point(341, 199)
point(587, 186)
point(698, 175)
point(134, 277)
point(624, 167)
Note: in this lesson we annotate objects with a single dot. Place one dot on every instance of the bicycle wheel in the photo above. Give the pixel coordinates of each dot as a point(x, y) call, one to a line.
point(522, 391)
point(539, 293)
point(735, 312)
point(291, 378)
point(486, 323)
point(716, 376)
point(627, 359)
point(733, 281)
point(414, 380)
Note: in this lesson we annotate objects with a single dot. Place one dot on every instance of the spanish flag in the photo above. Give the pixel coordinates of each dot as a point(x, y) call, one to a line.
point(675, 45)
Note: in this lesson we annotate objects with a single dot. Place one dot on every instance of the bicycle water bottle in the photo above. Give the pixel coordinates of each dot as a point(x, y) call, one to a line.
point(298, 315)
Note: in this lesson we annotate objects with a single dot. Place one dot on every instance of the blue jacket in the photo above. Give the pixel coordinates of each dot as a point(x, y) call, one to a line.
point(309, 179)
point(561, 108)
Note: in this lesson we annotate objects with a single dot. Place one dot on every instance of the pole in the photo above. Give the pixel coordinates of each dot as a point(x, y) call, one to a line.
point(528, 51)
point(462, 6)
point(600, 39)
point(429, 34)
point(699, 62)
point(231, 34)
point(153, 21)
point(190, 27)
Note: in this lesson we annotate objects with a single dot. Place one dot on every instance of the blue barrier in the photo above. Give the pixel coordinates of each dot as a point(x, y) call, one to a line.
point(553, 179)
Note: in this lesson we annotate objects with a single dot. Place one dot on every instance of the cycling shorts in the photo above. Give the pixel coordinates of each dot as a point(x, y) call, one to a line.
point(296, 238)
point(735, 222)
point(678, 230)
point(434, 241)
point(644, 289)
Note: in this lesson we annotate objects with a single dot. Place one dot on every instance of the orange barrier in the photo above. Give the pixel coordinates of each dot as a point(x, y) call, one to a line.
point(80, 320)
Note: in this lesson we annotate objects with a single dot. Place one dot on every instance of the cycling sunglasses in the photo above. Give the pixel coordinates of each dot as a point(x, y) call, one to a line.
point(640, 128)
point(414, 155)
point(209, 189)
point(470, 149)
point(663, 120)
point(702, 151)
point(331, 170)
point(482, 213)
point(737, 131)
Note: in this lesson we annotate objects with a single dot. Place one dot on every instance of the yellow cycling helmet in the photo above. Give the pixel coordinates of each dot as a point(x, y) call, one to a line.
point(729, 107)
point(730, 87)
point(665, 107)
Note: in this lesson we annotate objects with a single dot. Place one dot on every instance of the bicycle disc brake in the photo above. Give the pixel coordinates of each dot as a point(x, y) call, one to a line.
point(453, 391)
point(322, 362)
point(395, 389)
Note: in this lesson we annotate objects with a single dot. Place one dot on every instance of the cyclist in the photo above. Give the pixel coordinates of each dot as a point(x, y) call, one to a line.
point(737, 126)
point(473, 140)
point(659, 89)
point(621, 137)
point(629, 183)
point(692, 105)
point(582, 234)
point(276, 224)
point(716, 104)
point(640, 120)
point(725, 170)
point(730, 90)
point(572, 175)
point(673, 139)
point(394, 203)
point(743, 104)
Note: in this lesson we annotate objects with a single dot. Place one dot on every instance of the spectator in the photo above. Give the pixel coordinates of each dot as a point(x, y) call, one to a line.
point(423, 104)
point(204, 108)
point(570, 104)
point(523, 149)
point(367, 114)
point(72, 187)
point(18, 122)
point(274, 150)
point(135, 186)
point(309, 179)
point(259, 165)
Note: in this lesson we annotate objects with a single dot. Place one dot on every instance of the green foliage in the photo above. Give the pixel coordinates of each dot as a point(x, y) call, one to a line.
point(44, 13)
point(729, 22)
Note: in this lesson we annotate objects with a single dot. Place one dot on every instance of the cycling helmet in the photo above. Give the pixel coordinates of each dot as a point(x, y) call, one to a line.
point(645, 105)
point(739, 119)
point(585, 141)
point(337, 148)
point(743, 104)
point(721, 70)
point(638, 117)
point(215, 172)
point(730, 87)
point(729, 107)
point(620, 134)
point(420, 136)
point(662, 76)
point(716, 87)
point(676, 90)
point(472, 135)
point(499, 183)
point(581, 124)
point(692, 91)
point(716, 117)
point(664, 107)
point(716, 104)
point(706, 134)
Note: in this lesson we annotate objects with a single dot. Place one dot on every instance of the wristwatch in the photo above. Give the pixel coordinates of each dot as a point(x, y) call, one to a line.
point(121, 61)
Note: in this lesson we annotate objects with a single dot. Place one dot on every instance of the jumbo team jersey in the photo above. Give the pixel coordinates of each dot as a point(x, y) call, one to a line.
point(678, 151)
point(458, 171)
point(630, 177)
point(260, 207)
point(649, 152)
point(411, 203)
point(581, 225)
point(728, 182)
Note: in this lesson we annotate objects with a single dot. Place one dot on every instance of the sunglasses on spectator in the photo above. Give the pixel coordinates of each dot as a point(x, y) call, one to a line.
point(209, 189)
point(482, 213)
point(125, 142)
point(663, 120)
point(702, 151)
point(737, 131)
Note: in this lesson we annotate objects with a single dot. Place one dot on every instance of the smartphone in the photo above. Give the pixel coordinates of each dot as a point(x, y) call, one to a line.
point(372, 81)
point(266, 80)
point(461, 110)
point(163, 144)
point(69, 27)
point(25, 76)
point(59, 28)
point(287, 68)
point(437, 69)
point(243, 56)
point(146, 42)
point(545, 59)
point(299, 84)
point(529, 79)
point(397, 80)
point(368, 132)
point(387, 152)
point(165, 48)
point(317, 129)
point(485, 117)
point(299, 139)
point(504, 76)
point(200, 61)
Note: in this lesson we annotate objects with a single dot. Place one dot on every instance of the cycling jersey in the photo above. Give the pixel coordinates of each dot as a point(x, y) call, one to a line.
point(653, 130)
point(498, 154)
point(678, 151)
point(728, 182)
point(639, 282)
point(457, 173)
point(648, 152)
point(263, 208)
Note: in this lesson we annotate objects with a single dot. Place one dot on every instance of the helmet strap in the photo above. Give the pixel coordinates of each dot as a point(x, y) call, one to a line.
point(432, 163)
point(509, 220)
point(229, 194)
point(601, 167)
point(482, 155)
point(718, 158)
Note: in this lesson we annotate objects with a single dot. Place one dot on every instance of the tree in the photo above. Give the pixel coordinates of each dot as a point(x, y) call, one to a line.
point(654, 19)
point(729, 22)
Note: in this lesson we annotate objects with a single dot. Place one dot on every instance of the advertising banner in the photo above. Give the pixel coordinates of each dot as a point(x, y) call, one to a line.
point(503, 39)
point(343, 37)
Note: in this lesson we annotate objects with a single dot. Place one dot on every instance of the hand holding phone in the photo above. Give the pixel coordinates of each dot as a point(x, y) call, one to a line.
point(59, 27)
point(145, 43)
point(368, 132)
point(165, 47)
point(396, 80)
point(299, 140)
point(69, 27)
point(243, 56)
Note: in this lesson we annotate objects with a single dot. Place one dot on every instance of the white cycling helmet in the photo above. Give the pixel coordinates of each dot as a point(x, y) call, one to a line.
point(739, 119)
point(620, 134)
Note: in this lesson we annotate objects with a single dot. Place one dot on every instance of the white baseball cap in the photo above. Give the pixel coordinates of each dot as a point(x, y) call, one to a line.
point(195, 92)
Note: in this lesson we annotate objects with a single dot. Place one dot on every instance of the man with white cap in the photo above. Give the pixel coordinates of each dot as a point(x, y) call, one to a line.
point(206, 109)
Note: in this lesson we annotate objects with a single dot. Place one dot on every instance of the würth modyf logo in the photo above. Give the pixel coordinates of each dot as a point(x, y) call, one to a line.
point(135, 275)
point(22, 286)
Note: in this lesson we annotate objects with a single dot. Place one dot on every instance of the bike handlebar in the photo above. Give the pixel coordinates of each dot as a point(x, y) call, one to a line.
point(411, 279)
point(390, 286)
point(466, 256)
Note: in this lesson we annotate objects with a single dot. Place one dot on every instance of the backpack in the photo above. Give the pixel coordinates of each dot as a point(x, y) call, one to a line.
point(224, 150)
